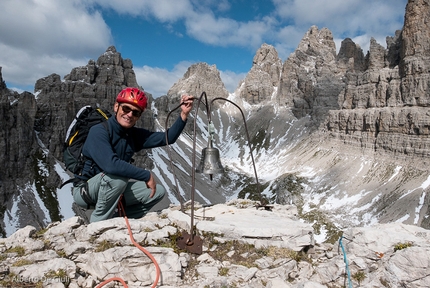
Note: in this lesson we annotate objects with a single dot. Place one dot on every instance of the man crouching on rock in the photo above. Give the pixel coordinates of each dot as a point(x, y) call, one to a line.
point(108, 151)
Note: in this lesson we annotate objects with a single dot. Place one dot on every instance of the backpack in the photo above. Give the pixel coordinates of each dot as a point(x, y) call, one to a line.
point(77, 133)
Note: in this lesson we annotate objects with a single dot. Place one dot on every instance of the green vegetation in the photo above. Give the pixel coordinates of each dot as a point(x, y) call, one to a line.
point(104, 245)
point(246, 254)
point(240, 253)
point(223, 271)
point(359, 276)
point(62, 253)
point(17, 249)
point(59, 276)
point(22, 262)
point(401, 246)
point(14, 280)
point(171, 242)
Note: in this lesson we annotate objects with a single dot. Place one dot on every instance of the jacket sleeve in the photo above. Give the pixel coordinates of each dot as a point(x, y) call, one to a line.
point(98, 148)
point(158, 139)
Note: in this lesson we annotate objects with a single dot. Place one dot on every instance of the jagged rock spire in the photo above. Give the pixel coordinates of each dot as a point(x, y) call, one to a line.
point(199, 78)
point(261, 81)
point(415, 54)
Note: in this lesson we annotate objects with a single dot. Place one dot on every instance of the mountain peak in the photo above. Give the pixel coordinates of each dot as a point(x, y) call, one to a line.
point(200, 77)
point(260, 82)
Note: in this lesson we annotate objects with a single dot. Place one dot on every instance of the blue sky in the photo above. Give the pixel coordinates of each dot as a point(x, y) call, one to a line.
point(164, 37)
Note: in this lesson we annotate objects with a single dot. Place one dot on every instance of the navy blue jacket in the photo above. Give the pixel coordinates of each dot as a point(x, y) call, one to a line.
point(110, 152)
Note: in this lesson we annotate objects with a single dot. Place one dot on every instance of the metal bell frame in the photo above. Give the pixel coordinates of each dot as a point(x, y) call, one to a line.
point(191, 242)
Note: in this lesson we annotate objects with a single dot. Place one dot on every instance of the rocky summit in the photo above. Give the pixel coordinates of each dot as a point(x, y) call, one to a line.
point(326, 180)
point(239, 245)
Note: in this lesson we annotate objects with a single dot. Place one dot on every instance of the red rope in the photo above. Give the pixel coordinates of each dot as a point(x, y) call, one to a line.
point(157, 268)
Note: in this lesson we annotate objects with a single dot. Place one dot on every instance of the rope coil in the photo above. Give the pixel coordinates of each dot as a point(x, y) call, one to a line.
point(157, 267)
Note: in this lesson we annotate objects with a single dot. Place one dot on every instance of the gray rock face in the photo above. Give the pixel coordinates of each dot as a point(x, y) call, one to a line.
point(109, 70)
point(261, 80)
point(402, 132)
point(311, 81)
point(3, 87)
point(349, 94)
point(16, 131)
point(376, 98)
point(350, 56)
point(415, 54)
point(17, 143)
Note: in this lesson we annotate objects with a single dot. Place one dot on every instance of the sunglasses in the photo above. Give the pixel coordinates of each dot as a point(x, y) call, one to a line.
point(134, 112)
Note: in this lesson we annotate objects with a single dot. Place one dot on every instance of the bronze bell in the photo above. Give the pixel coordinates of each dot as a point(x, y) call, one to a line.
point(210, 162)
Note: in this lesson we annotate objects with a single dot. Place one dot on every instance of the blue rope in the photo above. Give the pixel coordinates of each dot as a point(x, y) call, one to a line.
point(346, 262)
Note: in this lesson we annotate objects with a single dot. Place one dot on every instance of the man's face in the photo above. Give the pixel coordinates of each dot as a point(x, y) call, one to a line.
point(127, 114)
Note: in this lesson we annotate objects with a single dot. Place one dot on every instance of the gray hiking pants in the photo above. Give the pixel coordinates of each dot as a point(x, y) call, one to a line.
point(105, 191)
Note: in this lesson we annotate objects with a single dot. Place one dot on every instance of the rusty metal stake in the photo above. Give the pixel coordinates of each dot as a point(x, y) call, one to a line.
point(191, 244)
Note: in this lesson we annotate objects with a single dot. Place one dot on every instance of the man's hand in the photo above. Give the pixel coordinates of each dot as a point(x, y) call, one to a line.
point(187, 105)
point(151, 185)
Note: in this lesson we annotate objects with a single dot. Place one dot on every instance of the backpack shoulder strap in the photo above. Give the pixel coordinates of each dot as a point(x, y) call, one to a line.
point(106, 125)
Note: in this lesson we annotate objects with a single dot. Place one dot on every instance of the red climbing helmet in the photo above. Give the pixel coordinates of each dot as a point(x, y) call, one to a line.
point(132, 96)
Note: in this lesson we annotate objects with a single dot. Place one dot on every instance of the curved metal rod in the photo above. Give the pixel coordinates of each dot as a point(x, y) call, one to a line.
point(170, 152)
point(193, 172)
point(178, 195)
point(249, 142)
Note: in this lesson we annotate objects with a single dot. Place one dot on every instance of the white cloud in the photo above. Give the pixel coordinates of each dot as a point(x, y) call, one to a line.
point(208, 5)
point(225, 32)
point(158, 81)
point(287, 40)
point(39, 38)
point(201, 22)
point(355, 19)
point(346, 19)
point(231, 79)
point(52, 27)
point(24, 68)
point(162, 10)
